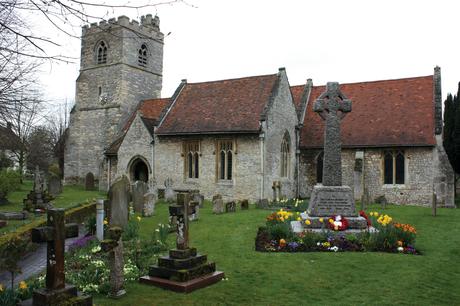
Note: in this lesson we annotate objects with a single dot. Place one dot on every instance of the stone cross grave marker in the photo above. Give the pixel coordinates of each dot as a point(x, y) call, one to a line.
point(38, 181)
point(119, 202)
point(54, 233)
point(113, 245)
point(332, 105)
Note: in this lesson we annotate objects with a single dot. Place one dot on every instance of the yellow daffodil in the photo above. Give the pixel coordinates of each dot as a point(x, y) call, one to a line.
point(331, 220)
point(307, 222)
point(139, 218)
point(321, 220)
point(106, 222)
point(299, 219)
point(1, 288)
point(22, 285)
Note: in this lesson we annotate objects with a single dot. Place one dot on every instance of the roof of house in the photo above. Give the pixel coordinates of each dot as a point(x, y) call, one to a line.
point(384, 113)
point(149, 112)
point(226, 106)
point(8, 139)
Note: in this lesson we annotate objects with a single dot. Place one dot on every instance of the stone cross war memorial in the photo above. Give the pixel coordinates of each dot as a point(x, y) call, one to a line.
point(332, 198)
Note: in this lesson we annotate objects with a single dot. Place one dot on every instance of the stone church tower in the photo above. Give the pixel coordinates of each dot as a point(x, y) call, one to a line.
point(121, 64)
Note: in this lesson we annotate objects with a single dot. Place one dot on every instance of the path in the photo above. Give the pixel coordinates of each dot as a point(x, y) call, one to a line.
point(34, 263)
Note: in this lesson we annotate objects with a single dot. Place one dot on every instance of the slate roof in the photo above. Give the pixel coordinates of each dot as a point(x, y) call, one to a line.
point(8, 139)
point(150, 112)
point(226, 106)
point(384, 114)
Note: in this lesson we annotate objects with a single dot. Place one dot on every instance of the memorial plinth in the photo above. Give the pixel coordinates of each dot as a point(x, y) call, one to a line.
point(183, 270)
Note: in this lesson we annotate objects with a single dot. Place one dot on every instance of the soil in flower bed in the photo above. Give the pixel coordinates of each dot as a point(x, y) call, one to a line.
point(325, 242)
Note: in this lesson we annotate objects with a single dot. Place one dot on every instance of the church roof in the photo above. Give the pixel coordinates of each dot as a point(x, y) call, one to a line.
point(384, 113)
point(226, 106)
point(149, 111)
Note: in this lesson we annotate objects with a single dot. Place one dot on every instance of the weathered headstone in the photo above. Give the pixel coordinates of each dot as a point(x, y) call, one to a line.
point(38, 181)
point(57, 292)
point(38, 198)
point(197, 197)
point(89, 181)
point(331, 198)
point(230, 206)
point(170, 194)
point(139, 188)
point(244, 204)
point(54, 185)
point(262, 203)
point(149, 204)
point(183, 270)
point(119, 202)
point(382, 200)
point(113, 245)
point(434, 204)
point(195, 208)
point(217, 204)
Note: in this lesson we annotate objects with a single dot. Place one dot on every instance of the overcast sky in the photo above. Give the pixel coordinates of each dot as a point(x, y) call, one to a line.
point(344, 41)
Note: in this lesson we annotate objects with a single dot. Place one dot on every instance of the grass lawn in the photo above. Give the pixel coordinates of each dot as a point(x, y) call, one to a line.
point(71, 196)
point(256, 278)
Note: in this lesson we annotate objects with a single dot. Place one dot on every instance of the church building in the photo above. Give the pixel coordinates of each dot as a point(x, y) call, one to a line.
point(250, 138)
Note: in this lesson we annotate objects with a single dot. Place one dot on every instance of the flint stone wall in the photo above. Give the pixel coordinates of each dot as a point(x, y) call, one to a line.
point(419, 175)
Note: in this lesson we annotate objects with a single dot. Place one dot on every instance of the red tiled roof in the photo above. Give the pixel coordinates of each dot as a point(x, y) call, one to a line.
point(384, 113)
point(297, 92)
point(227, 106)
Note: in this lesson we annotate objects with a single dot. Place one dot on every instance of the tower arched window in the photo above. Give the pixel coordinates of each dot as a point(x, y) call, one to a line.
point(142, 56)
point(285, 155)
point(101, 53)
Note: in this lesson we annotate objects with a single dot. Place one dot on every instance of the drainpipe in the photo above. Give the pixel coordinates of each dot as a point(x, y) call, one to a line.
point(153, 162)
point(262, 158)
point(297, 160)
point(109, 170)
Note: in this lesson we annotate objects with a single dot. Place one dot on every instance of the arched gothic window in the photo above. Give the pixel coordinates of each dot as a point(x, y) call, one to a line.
point(142, 57)
point(192, 156)
point(285, 156)
point(319, 167)
point(101, 53)
point(393, 167)
point(225, 159)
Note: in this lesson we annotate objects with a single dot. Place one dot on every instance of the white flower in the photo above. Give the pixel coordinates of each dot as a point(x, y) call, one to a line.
point(318, 243)
point(400, 249)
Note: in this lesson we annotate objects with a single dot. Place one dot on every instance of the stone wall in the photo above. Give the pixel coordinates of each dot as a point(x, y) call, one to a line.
point(169, 163)
point(281, 118)
point(106, 94)
point(419, 174)
point(136, 144)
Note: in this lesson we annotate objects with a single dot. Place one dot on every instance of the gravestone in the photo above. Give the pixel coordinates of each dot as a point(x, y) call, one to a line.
point(13, 215)
point(89, 181)
point(119, 202)
point(230, 206)
point(262, 203)
point(170, 194)
point(54, 185)
point(38, 198)
point(244, 204)
point(113, 245)
point(197, 197)
point(149, 204)
point(331, 198)
point(217, 204)
point(100, 219)
point(195, 208)
point(139, 188)
point(184, 270)
point(57, 292)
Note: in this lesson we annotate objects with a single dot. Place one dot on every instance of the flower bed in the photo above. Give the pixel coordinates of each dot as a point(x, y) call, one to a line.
point(388, 236)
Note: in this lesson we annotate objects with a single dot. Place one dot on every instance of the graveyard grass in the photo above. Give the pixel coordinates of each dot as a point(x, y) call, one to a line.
point(256, 278)
point(71, 196)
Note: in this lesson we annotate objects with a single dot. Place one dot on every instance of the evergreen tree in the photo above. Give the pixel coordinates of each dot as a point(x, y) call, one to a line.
point(451, 137)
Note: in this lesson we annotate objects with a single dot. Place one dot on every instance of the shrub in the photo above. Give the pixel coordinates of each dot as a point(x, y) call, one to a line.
point(90, 225)
point(9, 181)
